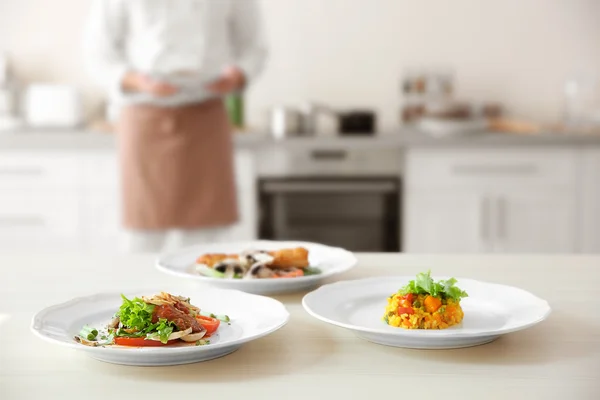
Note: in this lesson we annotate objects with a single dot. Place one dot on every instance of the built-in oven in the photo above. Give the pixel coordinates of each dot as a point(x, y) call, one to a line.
point(359, 213)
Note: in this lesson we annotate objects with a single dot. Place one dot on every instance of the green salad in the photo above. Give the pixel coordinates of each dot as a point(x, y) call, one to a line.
point(424, 284)
point(158, 320)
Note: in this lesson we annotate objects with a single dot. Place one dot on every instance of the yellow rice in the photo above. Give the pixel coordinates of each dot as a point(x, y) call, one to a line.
point(449, 314)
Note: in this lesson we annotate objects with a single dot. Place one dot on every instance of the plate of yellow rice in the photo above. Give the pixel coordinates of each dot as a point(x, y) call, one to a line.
point(426, 313)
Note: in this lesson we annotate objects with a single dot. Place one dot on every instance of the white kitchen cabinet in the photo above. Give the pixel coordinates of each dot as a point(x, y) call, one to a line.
point(32, 219)
point(446, 221)
point(491, 200)
point(245, 173)
point(535, 221)
point(39, 200)
point(590, 199)
point(66, 200)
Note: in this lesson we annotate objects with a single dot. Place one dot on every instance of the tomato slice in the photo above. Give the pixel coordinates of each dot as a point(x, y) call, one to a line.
point(405, 310)
point(141, 342)
point(210, 324)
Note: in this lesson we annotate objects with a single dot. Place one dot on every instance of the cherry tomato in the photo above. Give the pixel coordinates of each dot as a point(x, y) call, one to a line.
point(210, 324)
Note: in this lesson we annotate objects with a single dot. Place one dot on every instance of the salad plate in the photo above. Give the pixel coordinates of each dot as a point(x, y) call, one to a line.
point(363, 306)
point(274, 266)
point(158, 337)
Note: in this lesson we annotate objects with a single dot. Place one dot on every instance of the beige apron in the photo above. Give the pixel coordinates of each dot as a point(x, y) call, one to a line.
point(177, 168)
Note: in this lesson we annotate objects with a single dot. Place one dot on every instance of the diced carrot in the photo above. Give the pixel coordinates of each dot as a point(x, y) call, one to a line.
point(451, 310)
point(432, 304)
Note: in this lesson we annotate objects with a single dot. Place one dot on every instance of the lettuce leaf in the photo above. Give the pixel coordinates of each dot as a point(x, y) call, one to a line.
point(424, 284)
point(164, 329)
point(135, 313)
point(138, 314)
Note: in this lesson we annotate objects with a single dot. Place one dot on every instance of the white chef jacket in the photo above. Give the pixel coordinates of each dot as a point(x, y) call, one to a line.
point(184, 42)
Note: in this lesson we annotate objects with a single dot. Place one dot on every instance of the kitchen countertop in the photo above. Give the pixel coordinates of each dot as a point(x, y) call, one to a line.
point(308, 359)
point(89, 140)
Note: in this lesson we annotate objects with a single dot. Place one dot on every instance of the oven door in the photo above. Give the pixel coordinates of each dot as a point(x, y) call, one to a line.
point(358, 214)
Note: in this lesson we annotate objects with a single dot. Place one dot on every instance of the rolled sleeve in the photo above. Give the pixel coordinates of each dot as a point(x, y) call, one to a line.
point(248, 38)
point(103, 44)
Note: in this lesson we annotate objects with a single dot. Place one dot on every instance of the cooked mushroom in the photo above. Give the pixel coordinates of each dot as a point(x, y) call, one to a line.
point(85, 342)
point(114, 323)
point(194, 337)
point(230, 268)
point(259, 271)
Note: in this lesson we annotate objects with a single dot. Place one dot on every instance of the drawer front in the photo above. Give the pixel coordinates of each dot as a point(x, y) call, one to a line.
point(102, 214)
point(448, 167)
point(100, 171)
point(335, 162)
point(37, 171)
point(38, 215)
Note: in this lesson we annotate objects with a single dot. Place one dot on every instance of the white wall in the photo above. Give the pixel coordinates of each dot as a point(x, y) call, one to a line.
point(350, 52)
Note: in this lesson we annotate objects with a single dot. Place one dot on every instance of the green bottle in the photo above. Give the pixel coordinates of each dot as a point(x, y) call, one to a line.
point(235, 108)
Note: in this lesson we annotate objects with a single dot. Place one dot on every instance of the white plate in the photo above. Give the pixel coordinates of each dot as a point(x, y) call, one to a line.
point(251, 316)
point(331, 261)
point(490, 310)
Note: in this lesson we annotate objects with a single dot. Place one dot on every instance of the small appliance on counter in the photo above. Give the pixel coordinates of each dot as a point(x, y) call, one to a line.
point(314, 119)
point(284, 122)
point(9, 120)
point(357, 122)
point(53, 106)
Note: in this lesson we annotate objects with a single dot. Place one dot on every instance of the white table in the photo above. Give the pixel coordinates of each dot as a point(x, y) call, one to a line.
point(307, 359)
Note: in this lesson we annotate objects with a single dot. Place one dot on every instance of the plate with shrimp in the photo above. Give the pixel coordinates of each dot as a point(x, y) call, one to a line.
point(259, 267)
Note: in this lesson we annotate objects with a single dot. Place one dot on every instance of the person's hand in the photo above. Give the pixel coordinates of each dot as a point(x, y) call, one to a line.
point(137, 82)
point(230, 80)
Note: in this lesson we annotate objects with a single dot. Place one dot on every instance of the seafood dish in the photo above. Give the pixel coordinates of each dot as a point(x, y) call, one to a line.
point(257, 264)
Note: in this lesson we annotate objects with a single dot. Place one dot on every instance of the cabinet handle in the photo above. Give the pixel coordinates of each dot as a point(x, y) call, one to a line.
point(484, 218)
point(23, 220)
point(524, 169)
point(319, 155)
point(22, 171)
point(329, 187)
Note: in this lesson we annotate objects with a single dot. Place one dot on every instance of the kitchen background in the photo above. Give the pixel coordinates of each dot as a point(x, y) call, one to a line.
point(351, 53)
point(470, 126)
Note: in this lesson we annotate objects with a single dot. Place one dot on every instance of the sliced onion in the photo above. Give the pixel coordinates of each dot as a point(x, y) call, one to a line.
point(194, 337)
point(157, 302)
point(173, 336)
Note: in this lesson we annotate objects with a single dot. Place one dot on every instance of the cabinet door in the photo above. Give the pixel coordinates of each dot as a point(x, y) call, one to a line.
point(447, 221)
point(245, 173)
point(590, 201)
point(536, 221)
point(48, 220)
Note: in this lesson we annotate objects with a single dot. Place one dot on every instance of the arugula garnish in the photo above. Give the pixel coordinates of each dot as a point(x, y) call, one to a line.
point(424, 284)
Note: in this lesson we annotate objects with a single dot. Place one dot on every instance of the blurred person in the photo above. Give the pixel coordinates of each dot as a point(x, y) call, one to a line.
point(166, 65)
